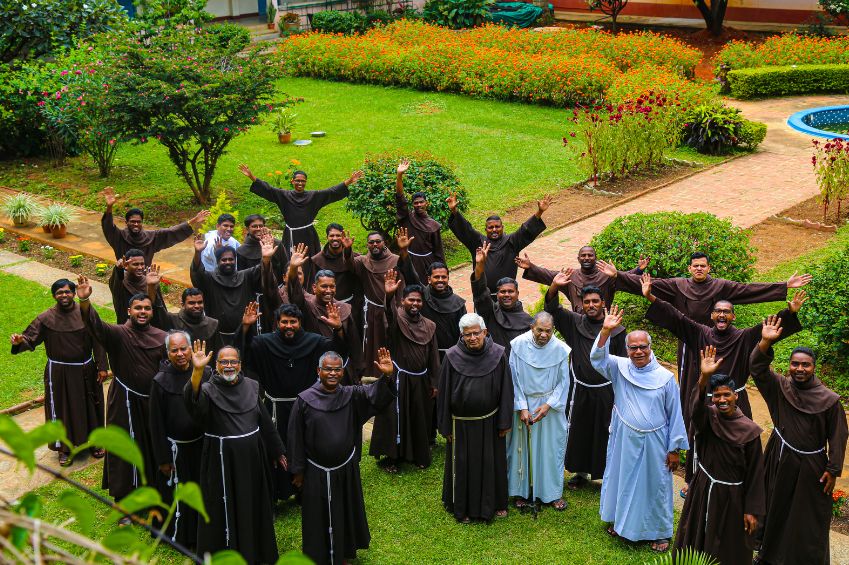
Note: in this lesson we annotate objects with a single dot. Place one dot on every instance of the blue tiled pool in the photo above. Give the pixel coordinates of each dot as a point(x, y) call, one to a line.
point(811, 121)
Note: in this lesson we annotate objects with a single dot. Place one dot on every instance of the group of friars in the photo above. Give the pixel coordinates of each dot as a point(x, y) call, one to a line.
point(308, 347)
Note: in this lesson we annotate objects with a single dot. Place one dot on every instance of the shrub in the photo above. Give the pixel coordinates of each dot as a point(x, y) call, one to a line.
point(751, 134)
point(333, 21)
point(831, 165)
point(21, 124)
point(825, 312)
point(713, 128)
point(457, 14)
point(372, 199)
point(229, 37)
point(671, 237)
point(169, 14)
point(838, 9)
point(654, 80)
point(223, 205)
point(783, 81)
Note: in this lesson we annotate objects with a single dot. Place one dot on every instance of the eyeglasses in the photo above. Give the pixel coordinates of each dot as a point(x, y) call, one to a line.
point(333, 369)
point(228, 362)
point(374, 242)
point(722, 311)
point(638, 347)
point(473, 334)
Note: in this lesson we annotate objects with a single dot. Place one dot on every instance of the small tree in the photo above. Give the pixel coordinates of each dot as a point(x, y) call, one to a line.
point(610, 7)
point(837, 9)
point(713, 12)
point(191, 93)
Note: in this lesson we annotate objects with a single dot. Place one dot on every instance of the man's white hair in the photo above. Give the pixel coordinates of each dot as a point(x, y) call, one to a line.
point(635, 332)
point(172, 333)
point(469, 320)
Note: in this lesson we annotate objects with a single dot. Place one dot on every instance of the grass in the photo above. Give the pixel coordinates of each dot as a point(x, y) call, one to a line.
point(24, 373)
point(409, 525)
point(506, 154)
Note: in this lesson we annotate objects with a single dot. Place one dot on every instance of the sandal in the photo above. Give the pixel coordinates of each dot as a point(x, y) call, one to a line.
point(64, 459)
point(500, 513)
point(560, 505)
point(660, 545)
point(465, 520)
point(611, 532)
point(520, 503)
point(683, 492)
point(392, 469)
point(98, 452)
point(576, 482)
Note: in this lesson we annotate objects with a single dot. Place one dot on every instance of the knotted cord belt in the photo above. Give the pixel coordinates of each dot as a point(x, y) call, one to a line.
point(572, 390)
point(127, 391)
point(799, 451)
point(428, 254)
point(223, 478)
point(365, 318)
point(174, 479)
point(50, 363)
point(710, 489)
point(454, 447)
point(274, 402)
point(327, 471)
point(398, 396)
point(635, 428)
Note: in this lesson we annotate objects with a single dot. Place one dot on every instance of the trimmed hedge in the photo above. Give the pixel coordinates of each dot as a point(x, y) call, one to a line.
point(782, 81)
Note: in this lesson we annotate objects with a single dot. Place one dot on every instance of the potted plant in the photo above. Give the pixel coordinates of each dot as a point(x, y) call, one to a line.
point(57, 217)
point(290, 23)
point(20, 208)
point(282, 123)
point(270, 14)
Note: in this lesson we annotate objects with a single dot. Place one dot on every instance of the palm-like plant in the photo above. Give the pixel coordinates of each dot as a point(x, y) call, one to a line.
point(685, 556)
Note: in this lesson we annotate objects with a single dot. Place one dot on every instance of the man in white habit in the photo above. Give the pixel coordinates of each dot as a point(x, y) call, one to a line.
point(646, 432)
point(537, 442)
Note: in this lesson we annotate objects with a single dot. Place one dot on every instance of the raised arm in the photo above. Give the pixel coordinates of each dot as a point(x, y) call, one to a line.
point(293, 282)
point(535, 273)
point(531, 229)
point(565, 321)
point(461, 227)
point(667, 316)
point(168, 237)
point(600, 355)
point(107, 221)
point(402, 210)
point(761, 357)
point(100, 330)
point(709, 366)
point(480, 291)
point(33, 335)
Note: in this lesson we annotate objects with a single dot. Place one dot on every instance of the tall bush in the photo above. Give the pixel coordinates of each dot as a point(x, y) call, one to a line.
point(184, 90)
point(671, 237)
point(457, 14)
point(831, 165)
point(22, 132)
point(372, 199)
point(158, 14)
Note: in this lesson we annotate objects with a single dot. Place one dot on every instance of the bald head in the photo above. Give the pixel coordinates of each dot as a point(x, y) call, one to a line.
point(638, 344)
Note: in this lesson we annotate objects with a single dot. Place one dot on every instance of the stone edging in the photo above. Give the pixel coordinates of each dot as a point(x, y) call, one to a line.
point(805, 223)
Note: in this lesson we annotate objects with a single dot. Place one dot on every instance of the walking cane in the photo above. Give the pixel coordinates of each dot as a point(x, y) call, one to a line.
point(533, 499)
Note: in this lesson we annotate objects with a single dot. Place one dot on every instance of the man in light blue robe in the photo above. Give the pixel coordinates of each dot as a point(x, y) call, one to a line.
point(646, 432)
point(540, 367)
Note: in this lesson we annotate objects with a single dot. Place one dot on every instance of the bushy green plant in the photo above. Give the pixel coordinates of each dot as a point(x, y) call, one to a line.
point(457, 14)
point(825, 313)
point(20, 208)
point(685, 556)
point(55, 215)
point(788, 80)
point(378, 18)
point(751, 134)
point(158, 14)
point(21, 123)
point(712, 128)
point(229, 37)
point(838, 9)
point(669, 238)
point(333, 21)
point(35, 29)
point(831, 166)
point(372, 199)
point(182, 90)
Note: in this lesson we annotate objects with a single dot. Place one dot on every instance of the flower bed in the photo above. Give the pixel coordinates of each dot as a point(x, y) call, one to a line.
point(573, 66)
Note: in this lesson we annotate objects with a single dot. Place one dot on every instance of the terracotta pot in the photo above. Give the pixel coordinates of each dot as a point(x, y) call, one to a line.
point(60, 231)
point(271, 25)
point(47, 229)
point(20, 223)
point(284, 137)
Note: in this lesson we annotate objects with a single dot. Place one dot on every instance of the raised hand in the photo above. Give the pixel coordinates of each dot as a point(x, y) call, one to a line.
point(563, 278)
point(218, 243)
point(523, 262)
point(482, 252)
point(391, 282)
point(770, 332)
point(200, 358)
point(795, 303)
point(16, 339)
point(198, 219)
point(403, 240)
point(83, 288)
point(199, 243)
point(299, 255)
point(798, 281)
point(384, 362)
point(333, 318)
point(452, 202)
point(355, 176)
point(251, 314)
point(403, 166)
point(645, 281)
point(119, 264)
point(347, 240)
point(709, 365)
point(268, 248)
point(644, 262)
point(110, 196)
point(608, 269)
point(153, 276)
point(612, 318)
point(543, 204)
point(245, 170)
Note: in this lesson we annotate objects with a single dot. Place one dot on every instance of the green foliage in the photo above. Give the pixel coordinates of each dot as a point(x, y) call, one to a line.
point(20, 208)
point(160, 14)
point(826, 313)
point(182, 89)
point(118, 443)
point(35, 29)
point(230, 37)
point(372, 199)
point(23, 444)
point(751, 134)
point(21, 124)
point(81, 508)
point(223, 205)
point(457, 14)
point(712, 128)
point(334, 21)
point(831, 166)
point(685, 556)
point(669, 238)
point(788, 80)
point(835, 8)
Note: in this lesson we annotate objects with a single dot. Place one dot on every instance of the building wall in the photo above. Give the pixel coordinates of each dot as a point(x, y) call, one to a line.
point(761, 11)
point(233, 8)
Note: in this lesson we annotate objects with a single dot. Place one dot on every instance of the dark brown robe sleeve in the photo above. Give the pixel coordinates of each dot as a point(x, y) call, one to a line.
point(103, 332)
point(483, 300)
point(328, 196)
point(161, 447)
point(464, 231)
point(443, 400)
point(101, 359)
point(765, 379)
point(266, 191)
point(836, 421)
point(526, 234)
point(433, 365)
point(271, 293)
point(200, 278)
point(668, 317)
point(631, 282)
point(754, 499)
point(504, 418)
point(405, 267)
point(111, 232)
point(33, 336)
point(296, 452)
point(169, 237)
point(750, 293)
point(565, 321)
point(540, 275)
point(370, 400)
point(698, 409)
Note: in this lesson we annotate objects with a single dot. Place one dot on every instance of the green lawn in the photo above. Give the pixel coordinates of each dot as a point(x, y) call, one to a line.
point(24, 373)
point(409, 525)
point(506, 154)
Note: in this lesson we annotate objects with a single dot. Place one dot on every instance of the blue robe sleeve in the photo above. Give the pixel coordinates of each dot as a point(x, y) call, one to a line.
point(603, 362)
point(677, 433)
point(520, 402)
point(557, 398)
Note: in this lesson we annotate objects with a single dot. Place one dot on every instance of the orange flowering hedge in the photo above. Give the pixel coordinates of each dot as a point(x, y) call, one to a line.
point(564, 68)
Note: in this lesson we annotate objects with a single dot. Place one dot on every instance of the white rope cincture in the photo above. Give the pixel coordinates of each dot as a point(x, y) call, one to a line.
point(454, 447)
point(274, 402)
point(224, 479)
point(365, 318)
point(259, 309)
point(127, 391)
point(174, 479)
point(573, 389)
point(346, 300)
point(428, 254)
point(292, 230)
point(50, 363)
point(635, 428)
point(710, 490)
point(398, 372)
point(799, 451)
point(327, 471)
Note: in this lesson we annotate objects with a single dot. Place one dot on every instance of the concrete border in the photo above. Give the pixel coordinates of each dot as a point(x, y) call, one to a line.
point(797, 121)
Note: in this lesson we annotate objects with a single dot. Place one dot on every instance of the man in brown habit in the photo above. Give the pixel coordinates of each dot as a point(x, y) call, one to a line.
point(135, 349)
point(249, 253)
point(506, 318)
point(332, 257)
point(76, 365)
point(425, 237)
point(726, 497)
point(402, 431)
point(134, 236)
point(128, 279)
point(588, 275)
point(804, 454)
point(504, 248)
